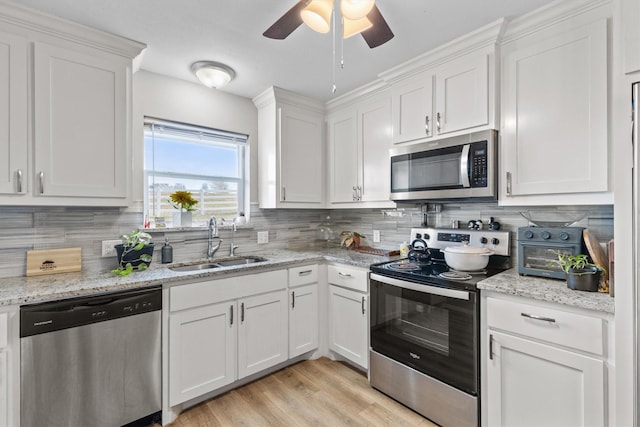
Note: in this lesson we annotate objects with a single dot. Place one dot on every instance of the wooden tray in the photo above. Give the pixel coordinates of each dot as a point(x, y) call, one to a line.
point(375, 251)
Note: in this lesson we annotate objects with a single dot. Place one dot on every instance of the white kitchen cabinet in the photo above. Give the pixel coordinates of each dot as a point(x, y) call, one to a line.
point(349, 313)
point(70, 114)
point(14, 170)
point(630, 14)
point(359, 143)
point(543, 366)
point(554, 134)
point(303, 310)
point(223, 330)
point(291, 150)
point(262, 332)
point(202, 354)
point(9, 367)
point(450, 98)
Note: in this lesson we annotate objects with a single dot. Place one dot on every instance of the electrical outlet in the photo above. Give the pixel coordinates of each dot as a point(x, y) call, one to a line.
point(108, 247)
point(263, 237)
point(376, 236)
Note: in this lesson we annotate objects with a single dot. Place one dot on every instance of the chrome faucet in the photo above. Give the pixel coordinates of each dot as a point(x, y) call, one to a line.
point(213, 234)
point(232, 248)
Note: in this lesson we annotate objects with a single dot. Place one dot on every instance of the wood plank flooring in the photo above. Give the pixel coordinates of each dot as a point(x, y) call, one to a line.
point(311, 393)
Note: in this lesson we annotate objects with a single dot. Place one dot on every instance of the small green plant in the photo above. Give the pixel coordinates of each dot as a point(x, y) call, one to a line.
point(134, 241)
point(567, 261)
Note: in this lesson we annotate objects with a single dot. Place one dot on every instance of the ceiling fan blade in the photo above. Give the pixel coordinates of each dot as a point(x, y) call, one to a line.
point(287, 22)
point(380, 33)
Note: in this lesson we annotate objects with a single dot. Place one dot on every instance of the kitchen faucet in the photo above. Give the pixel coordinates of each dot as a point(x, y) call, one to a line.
point(213, 234)
point(233, 247)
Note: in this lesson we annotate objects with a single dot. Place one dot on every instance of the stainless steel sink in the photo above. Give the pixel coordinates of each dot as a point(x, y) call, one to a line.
point(229, 262)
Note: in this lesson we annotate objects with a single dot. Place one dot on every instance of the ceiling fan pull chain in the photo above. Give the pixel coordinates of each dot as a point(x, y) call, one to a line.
point(333, 17)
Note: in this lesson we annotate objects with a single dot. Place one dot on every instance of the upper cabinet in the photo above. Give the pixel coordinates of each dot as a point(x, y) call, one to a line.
point(359, 143)
point(65, 112)
point(412, 110)
point(554, 134)
point(630, 14)
point(290, 150)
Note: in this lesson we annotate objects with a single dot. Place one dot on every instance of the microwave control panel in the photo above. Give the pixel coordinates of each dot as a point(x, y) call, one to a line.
point(478, 162)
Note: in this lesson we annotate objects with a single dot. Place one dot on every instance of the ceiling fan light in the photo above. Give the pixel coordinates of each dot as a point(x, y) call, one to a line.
point(356, 9)
point(317, 15)
point(212, 74)
point(351, 27)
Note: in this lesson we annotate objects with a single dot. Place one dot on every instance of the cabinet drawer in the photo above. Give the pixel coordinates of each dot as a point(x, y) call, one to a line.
point(303, 275)
point(554, 326)
point(4, 331)
point(214, 291)
point(348, 277)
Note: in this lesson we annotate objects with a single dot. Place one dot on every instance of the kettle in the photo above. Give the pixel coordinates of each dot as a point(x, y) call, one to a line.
point(419, 252)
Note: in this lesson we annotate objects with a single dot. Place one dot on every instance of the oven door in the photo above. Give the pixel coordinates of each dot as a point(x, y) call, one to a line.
point(542, 259)
point(433, 330)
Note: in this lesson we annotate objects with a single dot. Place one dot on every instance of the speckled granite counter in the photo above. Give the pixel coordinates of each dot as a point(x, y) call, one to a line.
point(538, 288)
point(29, 290)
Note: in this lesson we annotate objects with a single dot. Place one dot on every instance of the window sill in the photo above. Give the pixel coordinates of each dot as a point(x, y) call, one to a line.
point(196, 228)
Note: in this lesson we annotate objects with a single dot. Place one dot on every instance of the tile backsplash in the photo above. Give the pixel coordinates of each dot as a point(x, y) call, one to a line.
point(25, 228)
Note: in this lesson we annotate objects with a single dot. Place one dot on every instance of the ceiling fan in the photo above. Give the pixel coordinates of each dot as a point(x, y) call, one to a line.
point(358, 17)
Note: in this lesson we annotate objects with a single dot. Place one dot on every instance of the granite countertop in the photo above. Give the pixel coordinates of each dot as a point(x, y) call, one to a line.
point(551, 290)
point(36, 289)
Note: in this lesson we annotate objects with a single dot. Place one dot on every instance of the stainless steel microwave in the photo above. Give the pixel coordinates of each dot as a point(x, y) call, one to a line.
point(460, 167)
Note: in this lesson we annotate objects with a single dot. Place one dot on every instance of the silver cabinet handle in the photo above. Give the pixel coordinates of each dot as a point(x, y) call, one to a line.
point(284, 194)
point(359, 192)
point(426, 125)
point(508, 183)
point(293, 299)
point(41, 179)
point(355, 193)
point(536, 317)
point(242, 313)
point(438, 122)
point(490, 346)
point(305, 272)
point(363, 300)
point(19, 180)
point(344, 274)
point(231, 316)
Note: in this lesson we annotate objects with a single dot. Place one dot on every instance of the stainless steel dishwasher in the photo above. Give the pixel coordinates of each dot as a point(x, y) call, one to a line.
point(92, 361)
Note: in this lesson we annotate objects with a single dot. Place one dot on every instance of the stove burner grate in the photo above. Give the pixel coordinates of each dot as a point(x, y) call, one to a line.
point(455, 275)
point(404, 266)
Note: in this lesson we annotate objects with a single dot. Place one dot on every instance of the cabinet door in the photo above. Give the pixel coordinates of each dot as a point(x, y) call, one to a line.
point(348, 333)
point(343, 157)
point(13, 114)
point(412, 105)
point(554, 136)
point(374, 127)
point(303, 319)
point(81, 112)
point(301, 156)
point(532, 384)
point(462, 94)
point(202, 350)
point(262, 332)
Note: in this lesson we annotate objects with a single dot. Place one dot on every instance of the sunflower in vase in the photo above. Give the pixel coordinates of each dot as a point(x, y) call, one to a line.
point(183, 201)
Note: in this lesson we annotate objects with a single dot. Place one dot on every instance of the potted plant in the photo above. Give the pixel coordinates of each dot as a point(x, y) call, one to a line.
point(581, 273)
point(350, 239)
point(134, 253)
point(186, 204)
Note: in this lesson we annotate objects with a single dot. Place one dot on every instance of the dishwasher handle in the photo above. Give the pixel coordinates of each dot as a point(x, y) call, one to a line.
point(54, 316)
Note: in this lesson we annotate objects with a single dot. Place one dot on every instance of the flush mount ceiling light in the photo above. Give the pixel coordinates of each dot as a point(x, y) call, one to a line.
point(212, 74)
point(358, 17)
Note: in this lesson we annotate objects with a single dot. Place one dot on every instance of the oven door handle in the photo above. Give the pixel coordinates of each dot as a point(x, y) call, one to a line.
point(428, 289)
point(464, 166)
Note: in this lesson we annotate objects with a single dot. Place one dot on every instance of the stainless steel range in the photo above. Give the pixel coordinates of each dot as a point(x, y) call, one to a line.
point(424, 321)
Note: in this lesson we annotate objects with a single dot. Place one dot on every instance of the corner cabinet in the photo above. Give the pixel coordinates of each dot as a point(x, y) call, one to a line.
point(544, 365)
point(359, 143)
point(290, 150)
point(554, 133)
point(66, 119)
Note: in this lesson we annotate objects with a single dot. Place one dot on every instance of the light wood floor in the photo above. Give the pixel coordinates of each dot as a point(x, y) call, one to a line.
point(310, 393)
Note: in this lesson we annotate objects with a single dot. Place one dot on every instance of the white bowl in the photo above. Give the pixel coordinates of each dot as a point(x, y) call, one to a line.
point(467, 258)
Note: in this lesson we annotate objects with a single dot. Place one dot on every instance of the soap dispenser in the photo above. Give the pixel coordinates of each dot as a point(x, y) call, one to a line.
point(167, 252)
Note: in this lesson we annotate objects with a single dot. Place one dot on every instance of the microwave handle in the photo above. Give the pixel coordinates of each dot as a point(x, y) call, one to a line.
point(464, 166)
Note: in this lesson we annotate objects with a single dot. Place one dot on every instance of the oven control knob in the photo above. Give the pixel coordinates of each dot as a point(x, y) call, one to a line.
point(564, 236)
point(495, 241)
point(425, 236)
point(545, 235)
point(418, 236)
point(528, 234)
point(483, 240)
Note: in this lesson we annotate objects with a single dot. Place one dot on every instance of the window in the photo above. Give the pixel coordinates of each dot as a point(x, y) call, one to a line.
point(209, 163)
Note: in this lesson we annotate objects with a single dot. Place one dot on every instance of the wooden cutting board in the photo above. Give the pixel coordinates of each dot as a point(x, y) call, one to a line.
point(52, 261)
point(598, 256)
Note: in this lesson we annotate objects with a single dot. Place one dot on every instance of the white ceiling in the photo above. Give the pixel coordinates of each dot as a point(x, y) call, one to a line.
point(180, 32)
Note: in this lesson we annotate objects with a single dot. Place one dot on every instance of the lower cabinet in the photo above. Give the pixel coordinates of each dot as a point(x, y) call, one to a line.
point(9, 367)
point(543, 366)
point(349, 313)
point(303, 310)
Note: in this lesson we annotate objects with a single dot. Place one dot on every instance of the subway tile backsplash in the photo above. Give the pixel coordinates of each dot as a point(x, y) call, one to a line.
point(25, 228)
